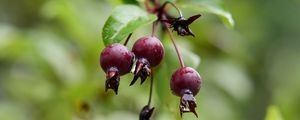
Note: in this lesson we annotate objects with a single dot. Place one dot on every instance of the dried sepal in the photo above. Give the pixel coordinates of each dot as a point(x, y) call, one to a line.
point(142, 70)
point(188, 103)
point(181, 25)
point(112, 80)
point(146, 113)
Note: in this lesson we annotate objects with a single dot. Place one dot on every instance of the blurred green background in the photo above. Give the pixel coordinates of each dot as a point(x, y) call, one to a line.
point(49, 70)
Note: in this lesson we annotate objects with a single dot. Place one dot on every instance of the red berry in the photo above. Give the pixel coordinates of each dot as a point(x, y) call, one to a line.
point(118, 56)
point(149, 48)
point(115, 60)
point(149, 52)
point(185, 78)
point(186, 83)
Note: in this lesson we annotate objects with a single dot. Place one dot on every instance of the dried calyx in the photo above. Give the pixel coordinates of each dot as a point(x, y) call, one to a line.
point(188, 103)
point(146, 112)
point(112, 80)
point(142, 70)
point(181, 25)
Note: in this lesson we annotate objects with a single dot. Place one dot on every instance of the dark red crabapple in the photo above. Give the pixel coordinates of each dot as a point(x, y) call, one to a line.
point(115, 60)
point(186, 83)
point(149, 52)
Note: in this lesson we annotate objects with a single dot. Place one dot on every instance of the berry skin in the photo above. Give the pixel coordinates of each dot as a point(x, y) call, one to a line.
point(149, 48)
point(186, 83)
point(149, 52)
point(185, 78)
point(115, 60)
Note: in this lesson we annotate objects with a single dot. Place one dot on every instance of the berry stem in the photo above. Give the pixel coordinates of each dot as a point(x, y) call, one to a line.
point(174, 44)
point(178, 10)
point(154, 28)
point(127, 39)
point(151, 89)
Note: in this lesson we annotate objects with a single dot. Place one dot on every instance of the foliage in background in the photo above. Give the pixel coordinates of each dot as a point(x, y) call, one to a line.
point(49, 61)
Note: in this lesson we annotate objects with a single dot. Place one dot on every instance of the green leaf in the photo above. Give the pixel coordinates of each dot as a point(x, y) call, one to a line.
point(118, 2)
point(273, 113)
point(123, 21)
point(216, 7)
point(130, 2)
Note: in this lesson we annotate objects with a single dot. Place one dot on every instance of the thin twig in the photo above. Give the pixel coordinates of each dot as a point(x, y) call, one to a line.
point(151, 89)
point(178, 10)
point(127, 39)
point(154, 28)
point(174, 44)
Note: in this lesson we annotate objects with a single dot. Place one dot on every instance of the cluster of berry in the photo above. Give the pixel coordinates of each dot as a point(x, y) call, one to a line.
point(147, 52)
point(117, 60)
